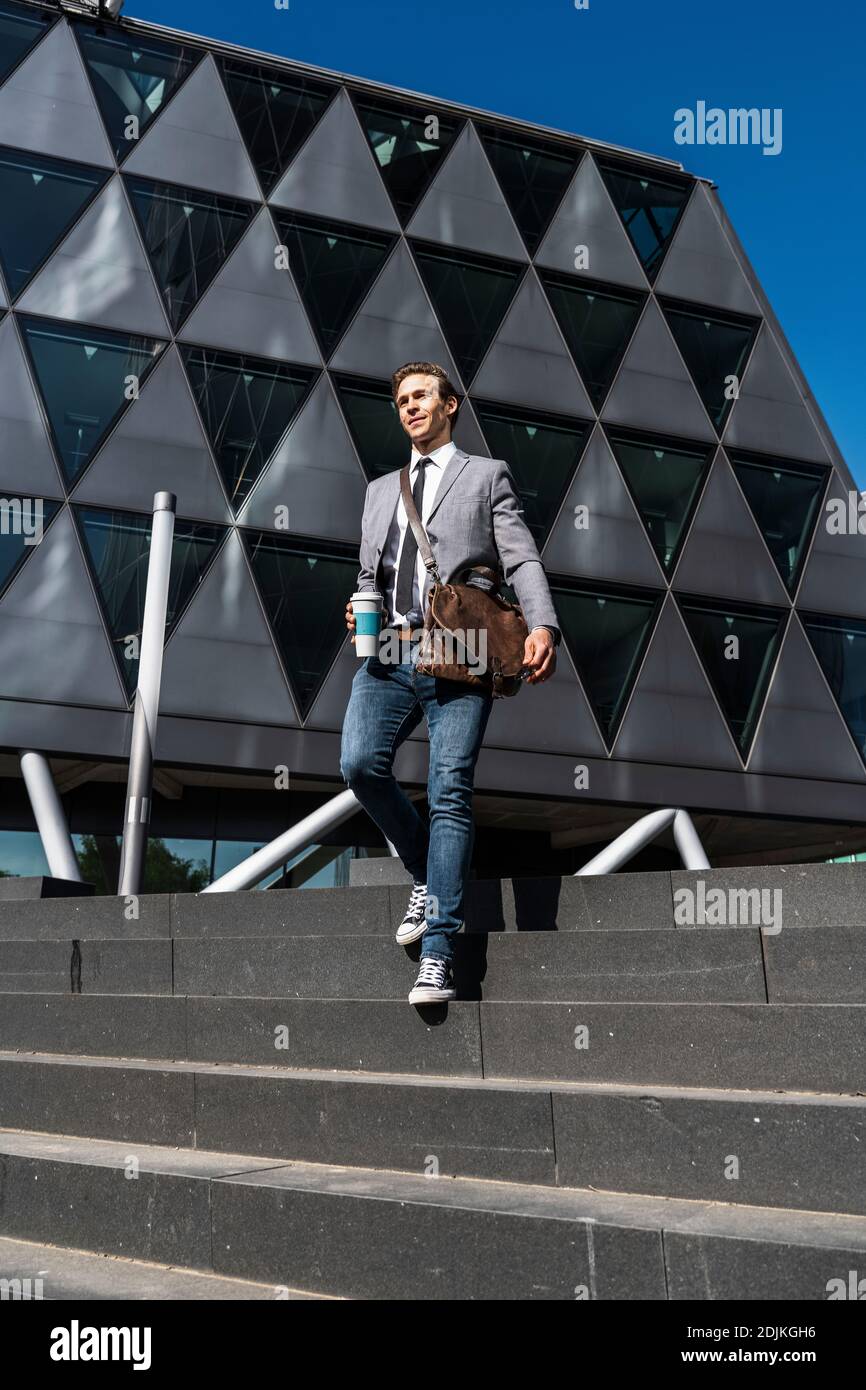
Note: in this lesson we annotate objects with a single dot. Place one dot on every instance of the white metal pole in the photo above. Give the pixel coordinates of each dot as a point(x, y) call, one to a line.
point(686, 839)
point(318, 822)
point(626, 845)
point(140, 782)
point(50, 816)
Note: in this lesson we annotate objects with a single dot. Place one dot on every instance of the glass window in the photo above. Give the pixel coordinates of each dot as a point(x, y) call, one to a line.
point(117, 545)
point(189, 235)
point(20, 27)
point(334, 266)
point(784, 498)
point(606, 630)
point(374, 424)
point(304, 589)
point(664, 480)
point(714, 348)
point(22, 520)
point(542, 451)
point(737, 647)
point(176, 865)
point(40, 199)
point(597, 323)
point(650, 208)
point(246, 404)
point(533, 176)
point(840, 646)
point(275, 112)
point(132, 75)
point(22, 855)
point(470, 295)
point(99, 861)
point(408, 144)
point(229, 853)
point(85, 377)
point(170, 865)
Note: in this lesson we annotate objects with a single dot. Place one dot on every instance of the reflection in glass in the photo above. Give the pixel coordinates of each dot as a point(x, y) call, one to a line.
point(87, 378)
point(738, 648)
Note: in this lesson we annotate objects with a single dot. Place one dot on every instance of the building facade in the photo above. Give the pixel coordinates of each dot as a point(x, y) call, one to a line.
point(211, 261)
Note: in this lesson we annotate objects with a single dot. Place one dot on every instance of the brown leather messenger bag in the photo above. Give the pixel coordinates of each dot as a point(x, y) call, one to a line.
point(470, 633)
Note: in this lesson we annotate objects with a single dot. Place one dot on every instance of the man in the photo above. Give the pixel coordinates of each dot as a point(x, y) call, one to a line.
point(472, 515)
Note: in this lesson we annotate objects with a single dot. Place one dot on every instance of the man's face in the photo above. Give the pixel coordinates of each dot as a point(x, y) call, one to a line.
point(422, 410)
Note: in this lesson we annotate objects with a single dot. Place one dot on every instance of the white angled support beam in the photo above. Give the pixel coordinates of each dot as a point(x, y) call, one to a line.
point(626, 845)
point(50, 816)
point(290, 843)
point(687, 842)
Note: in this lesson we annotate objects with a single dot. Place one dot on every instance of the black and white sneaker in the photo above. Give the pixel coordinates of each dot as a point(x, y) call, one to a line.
point(435, 982)
point(414, 924)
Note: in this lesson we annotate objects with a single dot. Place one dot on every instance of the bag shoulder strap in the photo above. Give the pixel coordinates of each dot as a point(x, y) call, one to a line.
point(418, 531)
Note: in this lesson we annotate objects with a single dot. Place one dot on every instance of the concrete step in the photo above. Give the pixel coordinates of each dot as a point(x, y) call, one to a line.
point(800, 1047)
point(379, 1234)
point(809, 895)
point(726, 964)
point(795, 1150)
point(719, 965)
point(32, 1271)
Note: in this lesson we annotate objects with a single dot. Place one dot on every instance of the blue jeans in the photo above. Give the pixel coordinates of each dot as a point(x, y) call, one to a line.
point(386, 704)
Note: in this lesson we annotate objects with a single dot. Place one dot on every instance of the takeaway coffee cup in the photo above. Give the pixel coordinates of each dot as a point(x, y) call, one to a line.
point(367, 608)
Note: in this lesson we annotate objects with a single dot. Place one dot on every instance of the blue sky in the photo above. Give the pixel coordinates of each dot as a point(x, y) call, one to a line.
point(618, 71)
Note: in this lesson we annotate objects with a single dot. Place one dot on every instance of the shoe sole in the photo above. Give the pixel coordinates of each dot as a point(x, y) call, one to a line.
point(405, 938)
point(432, 996)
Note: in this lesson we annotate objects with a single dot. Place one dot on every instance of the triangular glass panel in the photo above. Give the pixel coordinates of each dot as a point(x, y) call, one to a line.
point(543, 452)
point(22, 522)
point(738, 646)
point(664, 478)
point(189, 235)
point(87, 378)
point(408, 144)
point(21, 26)
point(470, 295)
point(840, 646)
point(333, 266)
point(275, 112)
point(303, 586)
point(606, 629)
point(650, 207)
point(117, 545)
point(533, 176)
point(246, 404)
point(47, 195)
point(597, 323)
point(784, 498)
point(715, 347)
point(133, 75)
point(802, 714)
point(374, 424)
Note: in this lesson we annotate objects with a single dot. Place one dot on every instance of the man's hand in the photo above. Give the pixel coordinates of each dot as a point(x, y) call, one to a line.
point(539, 654)
point(350, 619)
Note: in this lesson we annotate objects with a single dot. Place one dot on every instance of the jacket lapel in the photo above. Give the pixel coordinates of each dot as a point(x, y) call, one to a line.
point(453, 469)
point(391, 495)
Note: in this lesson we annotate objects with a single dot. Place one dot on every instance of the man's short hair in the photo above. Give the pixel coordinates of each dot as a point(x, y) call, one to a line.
point(446, 386)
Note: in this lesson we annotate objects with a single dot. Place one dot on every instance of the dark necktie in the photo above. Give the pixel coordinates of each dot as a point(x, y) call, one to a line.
point(406, 572)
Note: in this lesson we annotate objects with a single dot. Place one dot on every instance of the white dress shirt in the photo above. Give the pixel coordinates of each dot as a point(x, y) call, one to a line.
point(393, 549)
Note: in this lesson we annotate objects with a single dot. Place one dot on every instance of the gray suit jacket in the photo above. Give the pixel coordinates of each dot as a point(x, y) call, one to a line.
point(476, 519)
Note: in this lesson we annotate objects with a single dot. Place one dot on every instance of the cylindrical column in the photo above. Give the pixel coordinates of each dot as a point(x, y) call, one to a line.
point(50, 816)
point(687, 842)
point(626, 845)
point(139, 785)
